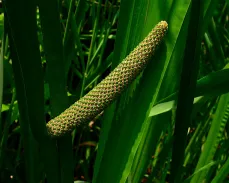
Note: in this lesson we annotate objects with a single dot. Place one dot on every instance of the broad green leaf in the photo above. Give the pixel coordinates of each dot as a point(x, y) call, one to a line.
point(167, 106)
point(213, 84)
point(116, 144)
point(53, 48)
point(28, 76)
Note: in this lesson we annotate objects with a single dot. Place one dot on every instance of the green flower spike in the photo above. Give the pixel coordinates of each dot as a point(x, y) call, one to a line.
point(93, 103)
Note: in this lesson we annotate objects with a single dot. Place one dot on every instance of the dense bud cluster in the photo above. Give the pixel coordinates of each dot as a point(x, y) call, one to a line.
point(89, 106)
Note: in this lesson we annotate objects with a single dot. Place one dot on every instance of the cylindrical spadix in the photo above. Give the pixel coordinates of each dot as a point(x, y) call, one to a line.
point(93, 103)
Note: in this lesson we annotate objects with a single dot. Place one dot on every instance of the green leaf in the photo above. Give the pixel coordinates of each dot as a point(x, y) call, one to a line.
point(5, 107)
point(53, 48)
point(122, 138)
point(204, 168)
point(1, 58)
point(214, 84)
point(210, 146)
point(29, 82)
point(28, 76)
point(167, 106)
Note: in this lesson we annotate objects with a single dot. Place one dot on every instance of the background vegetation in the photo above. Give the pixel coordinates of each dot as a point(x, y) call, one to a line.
point(169, 126)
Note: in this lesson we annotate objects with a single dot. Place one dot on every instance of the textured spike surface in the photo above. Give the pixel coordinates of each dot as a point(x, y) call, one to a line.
point(89, 106)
